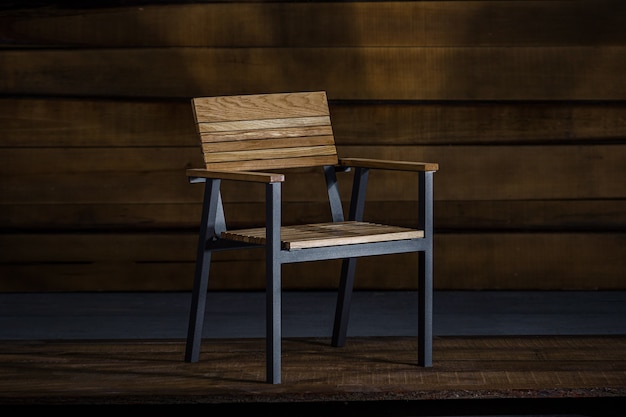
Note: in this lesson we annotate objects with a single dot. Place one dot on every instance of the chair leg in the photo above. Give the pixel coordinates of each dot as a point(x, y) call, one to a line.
point(273, 326)
point(273, 266)
point(344, 299)
point(425, 272)
point(425, 303)
point(210, 207)
point(348, 266)
point(198, 306)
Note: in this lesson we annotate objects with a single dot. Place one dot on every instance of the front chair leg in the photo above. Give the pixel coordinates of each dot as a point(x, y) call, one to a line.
point(273, 289)
point(210, 209)
point(425, 303)
point(425, 272)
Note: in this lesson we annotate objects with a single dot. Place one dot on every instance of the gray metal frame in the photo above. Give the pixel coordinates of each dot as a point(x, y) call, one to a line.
point(213, 223)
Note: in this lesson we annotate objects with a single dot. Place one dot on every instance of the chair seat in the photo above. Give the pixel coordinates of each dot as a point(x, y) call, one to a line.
point(326, 234)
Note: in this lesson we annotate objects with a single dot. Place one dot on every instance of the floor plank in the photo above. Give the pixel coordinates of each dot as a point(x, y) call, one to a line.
point(368, 370)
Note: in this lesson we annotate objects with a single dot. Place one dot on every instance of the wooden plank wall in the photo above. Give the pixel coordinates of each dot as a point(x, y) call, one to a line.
point(522, 103)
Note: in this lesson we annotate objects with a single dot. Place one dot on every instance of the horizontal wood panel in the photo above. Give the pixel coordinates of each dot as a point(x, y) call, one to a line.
point(366, 73)
point(521, 103)
point(285, 24)
point(149, 175)
point(531, 261)
point(518, 173)
point(470, 123)
point(522, 261)
point(57, 122)
point(123, 276)
point(470, 216)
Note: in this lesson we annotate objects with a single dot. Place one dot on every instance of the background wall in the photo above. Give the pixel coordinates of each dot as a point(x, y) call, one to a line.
point(522, 103)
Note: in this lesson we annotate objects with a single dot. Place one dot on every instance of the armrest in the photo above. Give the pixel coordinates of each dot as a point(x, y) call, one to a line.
point(385, 164)
point(235, 175)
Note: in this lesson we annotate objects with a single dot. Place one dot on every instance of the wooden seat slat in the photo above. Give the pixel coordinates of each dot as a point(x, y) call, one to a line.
point(326, 234)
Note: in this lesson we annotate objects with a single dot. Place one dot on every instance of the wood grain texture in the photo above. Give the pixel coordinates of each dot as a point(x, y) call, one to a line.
point(265, 131)
point(326, 234)
point(91, 122)
point(366, 73)
point(354, 24)
point(157, 175)
point(375, 368)
point(521, 103)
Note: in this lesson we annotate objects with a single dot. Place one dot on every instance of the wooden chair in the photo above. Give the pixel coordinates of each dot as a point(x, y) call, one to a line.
point(243, 136)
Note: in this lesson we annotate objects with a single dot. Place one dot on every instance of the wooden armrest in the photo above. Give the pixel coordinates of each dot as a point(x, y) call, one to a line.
point(385, 164)
point(236, 175)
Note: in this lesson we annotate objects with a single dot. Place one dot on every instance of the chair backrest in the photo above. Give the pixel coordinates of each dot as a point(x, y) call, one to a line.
point(265, 131)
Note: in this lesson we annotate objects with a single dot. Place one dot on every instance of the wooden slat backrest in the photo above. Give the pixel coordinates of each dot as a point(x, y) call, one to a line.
point(265, 131)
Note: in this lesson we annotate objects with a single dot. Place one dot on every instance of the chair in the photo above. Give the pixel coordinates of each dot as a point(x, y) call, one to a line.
point(244, 136)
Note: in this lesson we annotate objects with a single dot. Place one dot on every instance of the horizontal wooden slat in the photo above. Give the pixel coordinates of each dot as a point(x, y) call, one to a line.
point(263, 124)
point(129, 262)
point(274, 154)
point(296, 108)
point(266, 134)
point(28, 122)
point(423, 23)
point(367, 73)
point(326, 234)
point(252, 144)
point(295, 159)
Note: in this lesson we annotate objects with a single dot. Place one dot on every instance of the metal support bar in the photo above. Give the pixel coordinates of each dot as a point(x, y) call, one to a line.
point(359, 189)
point(425, 271)
point(334, 198)
point(273, 283)
point(348, 266)
point(207, 232)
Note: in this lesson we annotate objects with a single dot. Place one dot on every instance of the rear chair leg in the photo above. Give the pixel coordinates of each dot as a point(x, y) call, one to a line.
point(198, 306)
point(344, 299)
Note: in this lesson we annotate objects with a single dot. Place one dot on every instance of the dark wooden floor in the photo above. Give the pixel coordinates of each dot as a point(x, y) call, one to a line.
point(472, 375)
